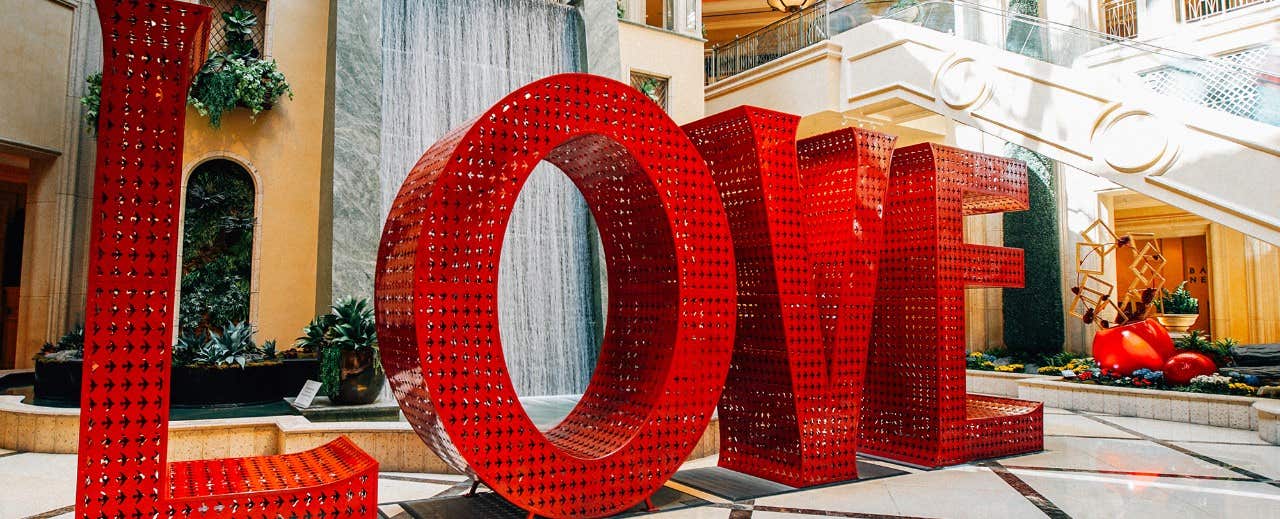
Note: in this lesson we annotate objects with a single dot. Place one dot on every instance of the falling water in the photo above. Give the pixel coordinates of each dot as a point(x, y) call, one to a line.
point(445, 62)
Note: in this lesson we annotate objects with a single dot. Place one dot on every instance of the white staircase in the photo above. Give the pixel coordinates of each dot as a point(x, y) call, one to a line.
point(1208, 162)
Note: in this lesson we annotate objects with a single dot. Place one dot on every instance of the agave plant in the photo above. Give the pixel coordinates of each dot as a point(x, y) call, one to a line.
point(69, 347)
point(233, 346)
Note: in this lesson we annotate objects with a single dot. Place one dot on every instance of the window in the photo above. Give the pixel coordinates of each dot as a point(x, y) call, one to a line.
point(217, 29)
point(653, 86)
point(1120, 18)
point(217, 247)
point(1193, 10)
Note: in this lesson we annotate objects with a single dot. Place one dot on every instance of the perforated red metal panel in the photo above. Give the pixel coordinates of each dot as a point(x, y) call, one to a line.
point(916, 409)
point(806, 247)
point(671, 297)
point(151, 49)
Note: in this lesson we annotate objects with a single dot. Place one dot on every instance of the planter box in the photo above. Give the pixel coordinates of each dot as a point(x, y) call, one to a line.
point(297, 372)
point(997, 383)
point(57, 384)
point(1235, 412)
point(212, 387)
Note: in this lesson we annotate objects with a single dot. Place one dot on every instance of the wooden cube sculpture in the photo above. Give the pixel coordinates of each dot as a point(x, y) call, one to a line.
point(916, 409)
point(151, 51)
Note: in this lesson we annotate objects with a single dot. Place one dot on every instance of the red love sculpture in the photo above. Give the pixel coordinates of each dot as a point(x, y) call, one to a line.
point(1183, 367)
point(1133, 346)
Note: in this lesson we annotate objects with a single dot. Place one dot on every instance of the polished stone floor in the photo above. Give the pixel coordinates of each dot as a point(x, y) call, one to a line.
point(1093, 466)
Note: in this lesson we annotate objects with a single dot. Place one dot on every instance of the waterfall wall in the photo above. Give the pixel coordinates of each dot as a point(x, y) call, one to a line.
point(442, 64)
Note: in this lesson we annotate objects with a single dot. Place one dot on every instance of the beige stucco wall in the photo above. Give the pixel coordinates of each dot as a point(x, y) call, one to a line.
point(284, 150)
point(666, 54)
point(38, 123)
point(37, 44)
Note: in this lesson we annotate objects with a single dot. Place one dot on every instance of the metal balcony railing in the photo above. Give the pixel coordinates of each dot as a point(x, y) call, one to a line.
point(1193, 10)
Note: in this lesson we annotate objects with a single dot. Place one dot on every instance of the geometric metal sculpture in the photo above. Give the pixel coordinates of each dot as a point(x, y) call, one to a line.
point(806, 233)
point(671, 310)
point(1094, 296)
point(151, 51)
point(916, 409)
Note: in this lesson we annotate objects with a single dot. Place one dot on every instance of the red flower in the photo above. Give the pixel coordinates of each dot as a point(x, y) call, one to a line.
point(1085, 375)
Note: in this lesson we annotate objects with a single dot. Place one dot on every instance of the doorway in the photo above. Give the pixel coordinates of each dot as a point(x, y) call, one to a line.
point(13, 203)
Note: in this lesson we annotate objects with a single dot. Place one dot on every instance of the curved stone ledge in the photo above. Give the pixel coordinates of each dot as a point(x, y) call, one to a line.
point(997, 383)
point(1268, 412)
point(395, 445)
point(1236, 412)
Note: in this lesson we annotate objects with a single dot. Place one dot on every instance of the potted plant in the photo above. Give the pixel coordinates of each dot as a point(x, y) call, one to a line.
point(347, 342)
point(58, 370)
point(237, 77)
point(226, 368)
point(1179, 310)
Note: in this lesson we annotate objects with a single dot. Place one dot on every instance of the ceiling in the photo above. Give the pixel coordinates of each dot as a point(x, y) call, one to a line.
point(728, 19)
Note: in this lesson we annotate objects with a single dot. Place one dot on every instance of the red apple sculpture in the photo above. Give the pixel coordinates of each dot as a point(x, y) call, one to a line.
point(1183, 367)
point(1157, 336)
point(1127, 348)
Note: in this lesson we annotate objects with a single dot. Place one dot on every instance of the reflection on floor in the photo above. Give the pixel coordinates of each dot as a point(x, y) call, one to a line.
point(1093, 466)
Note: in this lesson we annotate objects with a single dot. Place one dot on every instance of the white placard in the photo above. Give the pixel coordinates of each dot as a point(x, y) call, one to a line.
point(307, 395)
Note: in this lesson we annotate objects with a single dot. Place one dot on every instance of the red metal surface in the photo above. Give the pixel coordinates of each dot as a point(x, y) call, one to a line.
point(916, 409)
point(806, 223)
point(151, 49)
point(671, 297)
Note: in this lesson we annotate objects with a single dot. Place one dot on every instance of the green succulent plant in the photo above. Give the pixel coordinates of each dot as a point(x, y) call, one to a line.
point(349, 326)
point(233, 346)
point(1179, 301)
point(69, 347)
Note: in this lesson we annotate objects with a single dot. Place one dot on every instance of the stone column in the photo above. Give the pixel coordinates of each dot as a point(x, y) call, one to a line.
point(355, 216)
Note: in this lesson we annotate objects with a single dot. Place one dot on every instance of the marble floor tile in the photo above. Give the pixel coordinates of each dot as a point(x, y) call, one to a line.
point(1076, 425)
point(959, 492)
point(32, 484)
point(1115, 455)
point(1260, 459)
point(396, 490)
point(1179, 431)
point(1087, 496)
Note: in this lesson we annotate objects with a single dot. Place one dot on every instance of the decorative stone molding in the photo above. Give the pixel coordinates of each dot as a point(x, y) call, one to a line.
point(1235, 412)
point(397, 448)
point(1268, 420)
point(962, 82)
point(999, 384)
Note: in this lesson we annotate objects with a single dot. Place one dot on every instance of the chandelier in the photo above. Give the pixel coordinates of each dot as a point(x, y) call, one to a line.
point(788, 6)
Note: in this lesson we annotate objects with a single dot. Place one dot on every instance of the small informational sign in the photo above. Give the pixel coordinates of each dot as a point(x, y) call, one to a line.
point(1066, 373)
point(307, 395)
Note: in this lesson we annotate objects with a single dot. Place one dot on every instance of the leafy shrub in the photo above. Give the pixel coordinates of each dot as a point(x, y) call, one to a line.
point(1179, 301)
point(69, 347)
point(92, 102)
point(217, 247)
point(1219, 350)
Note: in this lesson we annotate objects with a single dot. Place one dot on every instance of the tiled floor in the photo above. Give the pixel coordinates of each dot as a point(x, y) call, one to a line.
point(1093, 466)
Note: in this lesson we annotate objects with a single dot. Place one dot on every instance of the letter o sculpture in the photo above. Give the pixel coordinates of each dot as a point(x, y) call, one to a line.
point(672, 300)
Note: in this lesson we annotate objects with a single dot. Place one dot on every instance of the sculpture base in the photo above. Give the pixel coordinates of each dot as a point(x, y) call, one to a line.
point(488, 505)
point(736, 486)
